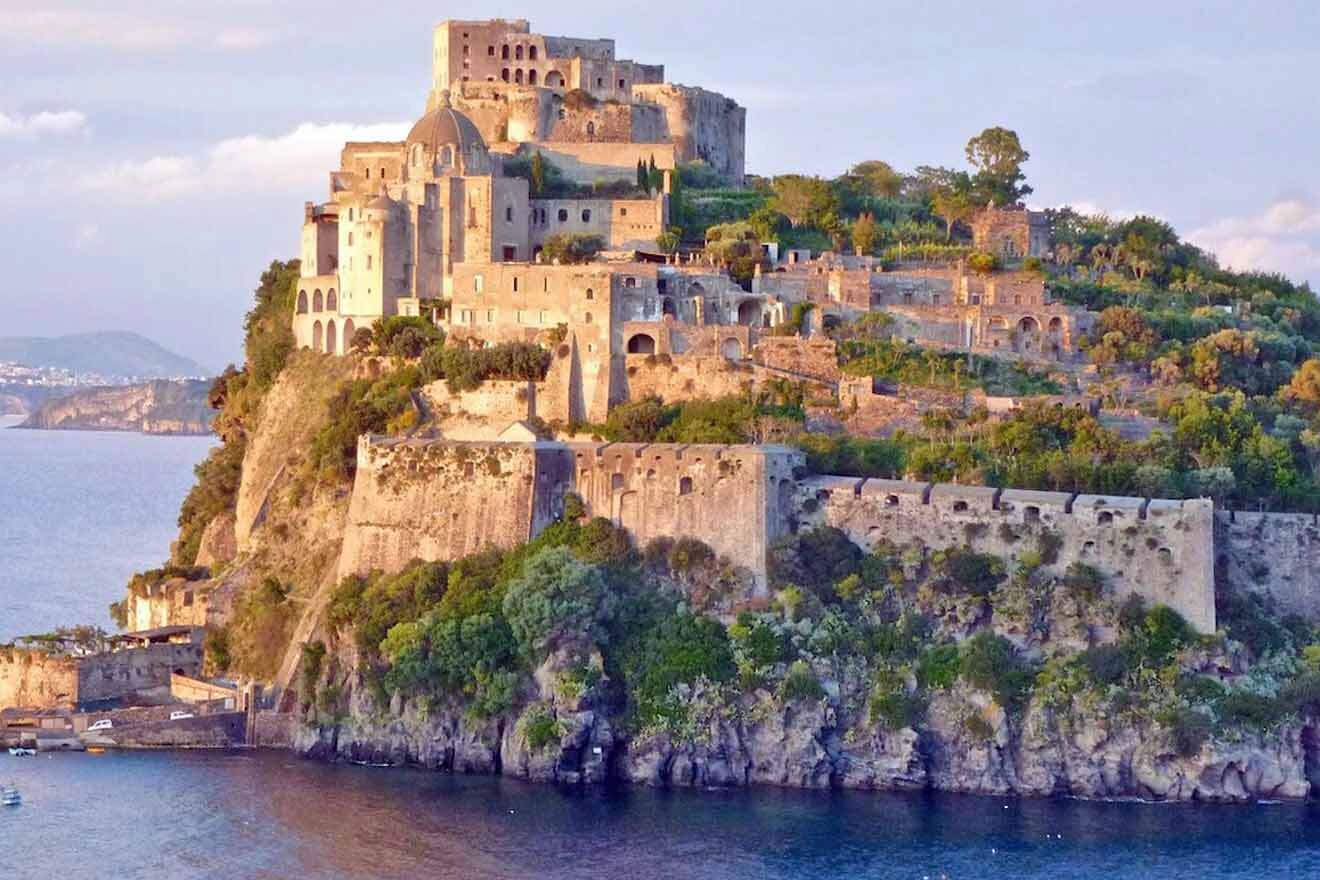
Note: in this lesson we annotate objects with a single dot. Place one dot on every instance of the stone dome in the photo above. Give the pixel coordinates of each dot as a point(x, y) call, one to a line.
point(445, 126)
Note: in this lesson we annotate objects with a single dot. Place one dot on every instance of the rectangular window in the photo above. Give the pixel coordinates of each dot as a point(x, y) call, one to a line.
point(350, 239)
point(368, 261)
point(490, 316)
point(478, 283)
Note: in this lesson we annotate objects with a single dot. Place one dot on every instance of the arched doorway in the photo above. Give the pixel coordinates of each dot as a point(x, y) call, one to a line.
point(641, 343)
point(748, 311)
point(302, 302)
point(554, 79)
point(316, 336)
point(318, 304)
point(1028, 329)
point(349, 330)
point(331, 301)
point(330, 338)
point(731, 349)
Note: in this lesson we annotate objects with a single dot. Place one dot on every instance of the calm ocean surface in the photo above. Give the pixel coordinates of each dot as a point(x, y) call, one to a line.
point(79, 512)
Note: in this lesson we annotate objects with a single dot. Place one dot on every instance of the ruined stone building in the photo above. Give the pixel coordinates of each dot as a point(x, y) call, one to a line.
point(591, 113)
point(1011, 232)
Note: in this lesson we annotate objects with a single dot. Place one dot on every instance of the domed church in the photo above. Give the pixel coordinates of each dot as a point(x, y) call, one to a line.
point(401, 215)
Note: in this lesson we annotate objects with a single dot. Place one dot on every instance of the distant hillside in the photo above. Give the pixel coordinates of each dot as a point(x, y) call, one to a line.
point(115, 353)
point(159, 407)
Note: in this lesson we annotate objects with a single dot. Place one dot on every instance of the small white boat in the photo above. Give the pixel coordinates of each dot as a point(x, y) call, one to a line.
point(9, 796)
point(21, 752)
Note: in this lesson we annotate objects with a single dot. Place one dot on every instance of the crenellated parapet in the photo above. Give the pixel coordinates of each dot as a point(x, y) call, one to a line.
point(435, 499)
point(1162, 550)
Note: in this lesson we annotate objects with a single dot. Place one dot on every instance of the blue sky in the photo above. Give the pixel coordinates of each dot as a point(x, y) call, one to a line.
point(154, 157)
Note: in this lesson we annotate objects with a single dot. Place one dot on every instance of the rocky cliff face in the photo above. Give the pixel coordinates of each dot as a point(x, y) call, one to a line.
point(161, 407)
point(1066, 737)
point(758, 739)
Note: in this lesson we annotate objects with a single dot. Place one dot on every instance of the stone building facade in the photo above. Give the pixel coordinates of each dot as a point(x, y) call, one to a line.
point(1011, 232)
point(592, 113)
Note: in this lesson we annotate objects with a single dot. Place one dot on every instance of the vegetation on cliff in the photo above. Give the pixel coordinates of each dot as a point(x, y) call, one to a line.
point(237, 396)
point(671, 644)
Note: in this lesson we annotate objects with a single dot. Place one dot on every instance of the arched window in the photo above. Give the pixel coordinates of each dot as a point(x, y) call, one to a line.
point(330, 338)
point(504, 52)
point(302, 302)
point(641, 343)
point(316, 336)
point(531, 53)
point(518, 53)
point(586, 215)
point(591, 129)
point(685, 486)
point(563, 215)
point(331, 301)
point(504, 74)
point(531, 77)
point(591, 294)
point(517, 76)
point(349, 330)
point(318, 304)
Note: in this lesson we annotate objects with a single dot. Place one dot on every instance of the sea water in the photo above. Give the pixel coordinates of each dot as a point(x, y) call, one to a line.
point(81, 511)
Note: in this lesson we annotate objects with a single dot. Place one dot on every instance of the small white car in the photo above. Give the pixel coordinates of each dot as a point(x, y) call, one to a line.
point(179, 715)
point(103, 724)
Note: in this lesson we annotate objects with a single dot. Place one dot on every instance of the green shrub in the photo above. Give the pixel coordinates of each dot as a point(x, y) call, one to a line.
point(1084, 581)
point(939, 667)
point(540, 727)
point(557, 600)
point(1160, 633)
point(800, 683)
point(1104, 664)
point(815, 561)
point(676, 648)
point(1302, 694)
point(1188, 730)
point(1239, 708)
point(890, 705)
point(991, 663)
point(759, 641)
point(571, 248)
point(965, 572)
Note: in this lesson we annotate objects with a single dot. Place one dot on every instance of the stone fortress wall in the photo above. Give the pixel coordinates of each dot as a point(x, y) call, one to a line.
point(1162, 550)
point(435, 499)
point(37, 679)
point(1273, 554)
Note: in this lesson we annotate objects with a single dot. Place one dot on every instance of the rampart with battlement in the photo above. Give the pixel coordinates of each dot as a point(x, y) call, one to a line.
point(433, 499)
point(426, 499)
point(1162, 550)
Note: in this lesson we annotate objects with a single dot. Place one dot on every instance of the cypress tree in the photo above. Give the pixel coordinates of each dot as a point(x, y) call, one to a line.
point(538, 173)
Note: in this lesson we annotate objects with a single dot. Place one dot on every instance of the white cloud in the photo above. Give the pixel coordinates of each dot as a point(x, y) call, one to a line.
point(1284, 237)
point(298, 161)
point(245, 39)
point(123, 33)
point(60, 122)
point(79, 28)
